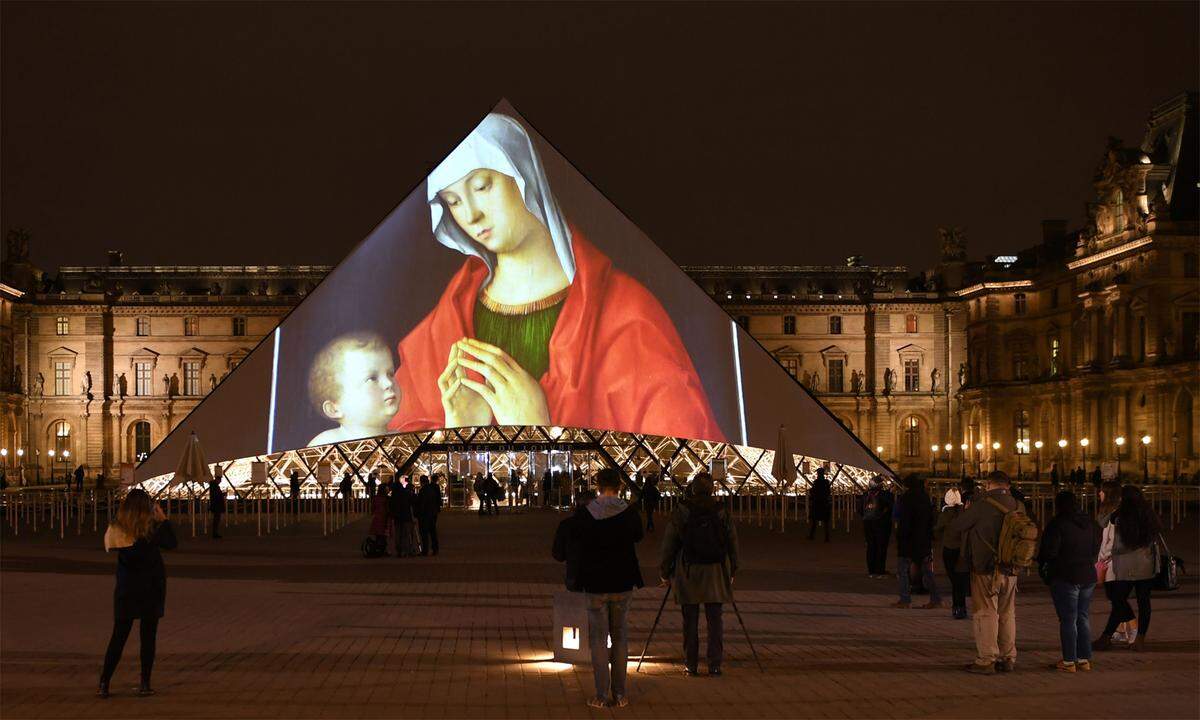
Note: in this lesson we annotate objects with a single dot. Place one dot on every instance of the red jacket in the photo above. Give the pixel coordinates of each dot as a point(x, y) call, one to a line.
point(616, 361)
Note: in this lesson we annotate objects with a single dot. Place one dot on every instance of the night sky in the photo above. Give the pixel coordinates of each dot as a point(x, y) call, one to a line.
point(282, 134)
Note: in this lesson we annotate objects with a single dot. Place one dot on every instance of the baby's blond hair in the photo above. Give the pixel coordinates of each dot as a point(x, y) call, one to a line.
point(323, 382)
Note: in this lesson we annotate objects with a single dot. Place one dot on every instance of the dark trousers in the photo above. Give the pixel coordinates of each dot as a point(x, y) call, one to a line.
point(812, 526)
point(402, 533)
point(878, 533)
point(691, 634)
point(1118, 594)
point(649, 518)
point(216, 524)
point(427, 526)
point(121, 628)
point(959, 581)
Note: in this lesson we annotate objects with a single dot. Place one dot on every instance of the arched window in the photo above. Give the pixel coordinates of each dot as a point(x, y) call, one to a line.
point(62, 437)
point(912, 436)
point(1021, 431)
point(141, 440)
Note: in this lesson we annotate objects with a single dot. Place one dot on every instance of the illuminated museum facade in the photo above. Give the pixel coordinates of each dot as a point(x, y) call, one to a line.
point(1090, 334)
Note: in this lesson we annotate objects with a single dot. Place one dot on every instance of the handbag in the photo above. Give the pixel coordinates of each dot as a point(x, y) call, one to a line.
point(1168, 569)
point(1102, 570)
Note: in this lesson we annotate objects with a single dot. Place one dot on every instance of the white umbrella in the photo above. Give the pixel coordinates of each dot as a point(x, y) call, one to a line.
point(784, 470)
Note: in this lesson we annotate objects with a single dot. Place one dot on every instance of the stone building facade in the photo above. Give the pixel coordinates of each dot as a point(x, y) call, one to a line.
point(1090, 334)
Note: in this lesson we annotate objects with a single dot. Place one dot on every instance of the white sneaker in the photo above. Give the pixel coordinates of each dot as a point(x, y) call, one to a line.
point(1119, 637)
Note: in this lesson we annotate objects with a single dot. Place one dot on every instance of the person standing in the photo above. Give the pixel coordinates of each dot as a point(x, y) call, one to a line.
point(138, 534)
point(400, 505)
point(370, 484)
point(877, 526)
point(480, 489)
point(699, 557)
point(79, 478)
point(294, 492)
point(606, 531)
point(993, 590)
point(216, 505)
point(951, 549)
point(429, 504)
point(914, 543)
point(494, 494)
point(1067, 558)
point(651, 497)
point(820, 504)
point(1134, 565)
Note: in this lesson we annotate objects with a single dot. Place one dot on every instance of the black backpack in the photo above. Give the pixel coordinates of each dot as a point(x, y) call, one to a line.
point(704, 536)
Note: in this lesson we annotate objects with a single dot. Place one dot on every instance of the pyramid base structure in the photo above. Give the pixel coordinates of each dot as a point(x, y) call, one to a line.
point(528, 450)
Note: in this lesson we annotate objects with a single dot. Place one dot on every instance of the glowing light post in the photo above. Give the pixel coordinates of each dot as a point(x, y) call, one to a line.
point(978, 455)
point(995, 452)
point(962, 463)
point(1062, 445)
point(1145, 462)
point(1020, 450)
point(1120, 443)
point(933, 449)
point(1083, 443)
point(949, 455)
point(1037, 445)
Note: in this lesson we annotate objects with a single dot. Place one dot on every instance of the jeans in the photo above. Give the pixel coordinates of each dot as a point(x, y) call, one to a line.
point(116, 644)
point(608, 619)
point(959, 581)
point(1118, 593)
point(216, 525)
point(691, 634)
point(1071, 603)
point(878, 532)
point(926, 577)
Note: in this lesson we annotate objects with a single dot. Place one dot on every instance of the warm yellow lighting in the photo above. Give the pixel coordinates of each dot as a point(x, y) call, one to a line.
point(3, 452)
point(878, 449)
point(934, 448)
point(947, 447)
point(66, 453)
point(1038, 444)
point(1062, 443)
point(1083, 442)
point(51, 453)
point(963, 447)
point(978, 446)
point(570, 639)
point(996, 445)
point(1120, 440)
point(20, 452)
point(1145, 440)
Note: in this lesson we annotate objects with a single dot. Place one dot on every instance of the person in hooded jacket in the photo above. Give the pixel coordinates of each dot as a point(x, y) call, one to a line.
point(606, 532)
point(699, 557)
point(951, 549)
point(1067, 556)
point(914, 542)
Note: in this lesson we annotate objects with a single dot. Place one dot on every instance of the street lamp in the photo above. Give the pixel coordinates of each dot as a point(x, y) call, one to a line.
point(962, 465)
point(978, 455)
point(933, 449)
point(1021, 450)
point(1083, 443)
point(949, 456)
point(1120, 442)
point(1145, 463)
point(995, 452)
point(1037, 444)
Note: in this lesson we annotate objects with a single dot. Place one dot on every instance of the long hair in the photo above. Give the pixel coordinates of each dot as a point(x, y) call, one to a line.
point(1065, 503)
point(1112, 498)
point(1137, 524)
point(136, 514)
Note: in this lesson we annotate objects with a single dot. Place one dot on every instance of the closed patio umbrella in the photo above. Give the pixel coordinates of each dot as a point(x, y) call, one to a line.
point(784, 470)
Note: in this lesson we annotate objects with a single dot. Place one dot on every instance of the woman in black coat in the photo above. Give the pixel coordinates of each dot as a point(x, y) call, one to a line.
point(820, 504)
point(914, 541)
point(1067, 558)
point(138, 534)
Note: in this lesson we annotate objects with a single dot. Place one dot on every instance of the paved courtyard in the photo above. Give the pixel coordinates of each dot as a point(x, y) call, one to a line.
point(299, 625)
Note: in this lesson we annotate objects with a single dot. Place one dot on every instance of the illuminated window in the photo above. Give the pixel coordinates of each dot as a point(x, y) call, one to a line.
point(837, 375)
point(141, 440)
point(912, 375)
point(191, 378)
point(62, 325)
point(791, 365)
point(239, 326)
point(1019, 303)
point(1118, 211)
point(142, 379)
point(835, 324)
point(191, 325)
point(1054, 353)
point(910, 323)
point(62, 378)
point(912, 436)
point(789, 324)
point(62, 437)
point(1020, 363)
point(143, 326)
point(1021, 431)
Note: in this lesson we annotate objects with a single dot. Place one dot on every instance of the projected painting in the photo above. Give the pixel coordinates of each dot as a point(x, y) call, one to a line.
point(505, 291)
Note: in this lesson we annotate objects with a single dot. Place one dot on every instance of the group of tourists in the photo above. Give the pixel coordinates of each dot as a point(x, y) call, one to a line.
point(698, 560)
point(407, 516)
point(988, 539)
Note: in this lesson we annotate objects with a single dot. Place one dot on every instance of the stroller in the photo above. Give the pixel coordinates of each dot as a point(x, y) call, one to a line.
point(374, 546)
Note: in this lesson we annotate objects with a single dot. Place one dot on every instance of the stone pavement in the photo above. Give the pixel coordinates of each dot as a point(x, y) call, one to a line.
point(295, 625)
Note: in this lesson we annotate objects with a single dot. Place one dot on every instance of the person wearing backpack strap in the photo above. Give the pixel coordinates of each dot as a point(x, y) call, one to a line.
point(993, 586)
point(699, 556)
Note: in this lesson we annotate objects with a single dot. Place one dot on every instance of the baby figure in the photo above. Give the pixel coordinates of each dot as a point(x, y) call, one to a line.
point(351, 383)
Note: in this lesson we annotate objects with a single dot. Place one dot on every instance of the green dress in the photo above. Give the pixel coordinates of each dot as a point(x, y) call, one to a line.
point(526, 338)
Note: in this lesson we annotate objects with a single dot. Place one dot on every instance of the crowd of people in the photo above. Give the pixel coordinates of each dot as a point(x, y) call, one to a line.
point(988, 539)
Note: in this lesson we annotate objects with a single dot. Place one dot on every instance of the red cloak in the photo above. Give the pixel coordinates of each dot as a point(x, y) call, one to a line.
point(616, 361)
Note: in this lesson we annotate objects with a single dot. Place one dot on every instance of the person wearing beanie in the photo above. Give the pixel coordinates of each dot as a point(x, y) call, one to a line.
point(951, 548)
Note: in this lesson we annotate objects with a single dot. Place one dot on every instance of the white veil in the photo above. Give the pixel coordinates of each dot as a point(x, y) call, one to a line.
point(499, 143)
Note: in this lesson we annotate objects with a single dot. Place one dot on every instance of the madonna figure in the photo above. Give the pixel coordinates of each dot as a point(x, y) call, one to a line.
point(537, 327)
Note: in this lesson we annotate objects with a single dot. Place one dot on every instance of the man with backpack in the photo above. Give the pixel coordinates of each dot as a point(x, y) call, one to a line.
point(699, 558)
point(998, 540)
